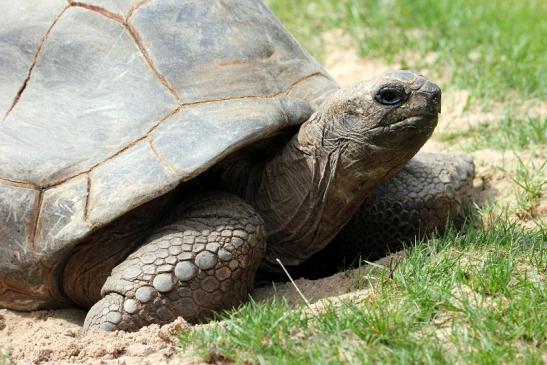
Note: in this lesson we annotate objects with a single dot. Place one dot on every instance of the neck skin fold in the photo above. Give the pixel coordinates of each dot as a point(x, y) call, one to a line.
point(311, 189)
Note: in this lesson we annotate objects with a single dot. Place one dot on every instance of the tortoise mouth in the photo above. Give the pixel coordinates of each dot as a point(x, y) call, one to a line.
point(425, 121)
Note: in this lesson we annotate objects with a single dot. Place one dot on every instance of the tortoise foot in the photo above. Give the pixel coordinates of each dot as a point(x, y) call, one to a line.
point(202, 262)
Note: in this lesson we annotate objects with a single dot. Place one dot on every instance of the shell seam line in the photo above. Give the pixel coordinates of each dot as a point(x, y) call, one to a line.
point(88, 193)
point(120, 151)
point(147, 133)
point(135, 9)
point(20, 184)
point(221, 100)
point(57, 183)
point(100, 10)
point(311, 76)
point(161, 160)
point(136, 39)
point(271, 96)
point(36, 219)
point(33, 64)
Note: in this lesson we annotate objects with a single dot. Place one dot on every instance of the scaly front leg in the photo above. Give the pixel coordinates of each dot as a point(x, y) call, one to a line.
point(203, 259)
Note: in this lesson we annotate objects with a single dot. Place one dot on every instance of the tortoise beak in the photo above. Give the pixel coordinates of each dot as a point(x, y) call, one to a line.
point(433, 94)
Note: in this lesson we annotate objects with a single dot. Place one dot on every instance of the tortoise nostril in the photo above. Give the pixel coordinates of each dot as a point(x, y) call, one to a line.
point(433, 94)
point(431, 88)
point(437, 101)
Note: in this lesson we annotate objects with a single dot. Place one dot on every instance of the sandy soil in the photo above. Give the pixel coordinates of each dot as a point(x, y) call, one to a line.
point(52, 337)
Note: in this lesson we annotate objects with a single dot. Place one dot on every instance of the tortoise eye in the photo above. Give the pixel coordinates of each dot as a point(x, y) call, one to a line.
point(390, 95)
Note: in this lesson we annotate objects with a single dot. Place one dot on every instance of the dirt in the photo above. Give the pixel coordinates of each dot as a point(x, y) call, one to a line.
point(53, 337)
point(344, 64)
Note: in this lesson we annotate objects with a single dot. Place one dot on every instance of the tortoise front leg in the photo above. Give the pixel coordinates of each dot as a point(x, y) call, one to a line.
point(431, 190)
point(201, 261)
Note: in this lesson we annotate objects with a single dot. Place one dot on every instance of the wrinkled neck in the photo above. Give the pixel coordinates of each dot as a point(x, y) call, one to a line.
point(310, 190)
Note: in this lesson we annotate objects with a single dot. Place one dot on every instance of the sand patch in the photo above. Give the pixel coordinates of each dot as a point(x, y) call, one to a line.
point(53, 337)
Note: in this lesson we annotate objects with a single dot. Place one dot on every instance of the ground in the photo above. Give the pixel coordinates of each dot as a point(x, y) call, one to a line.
point(473, 298)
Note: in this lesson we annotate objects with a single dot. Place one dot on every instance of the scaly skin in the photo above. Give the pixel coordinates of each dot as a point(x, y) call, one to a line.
point(202, 260)
point(431, 191)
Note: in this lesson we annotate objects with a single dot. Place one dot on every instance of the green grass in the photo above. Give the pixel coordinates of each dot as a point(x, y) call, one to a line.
point(509, 134)
point(476, 298)
point(496, 48)
point(530, 182)
point(5, 357)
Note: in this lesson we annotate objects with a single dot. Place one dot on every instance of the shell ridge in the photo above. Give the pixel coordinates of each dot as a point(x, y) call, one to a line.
point(33, 64)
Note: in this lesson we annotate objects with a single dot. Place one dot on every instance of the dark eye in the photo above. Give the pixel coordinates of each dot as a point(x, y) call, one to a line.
point(390, 95)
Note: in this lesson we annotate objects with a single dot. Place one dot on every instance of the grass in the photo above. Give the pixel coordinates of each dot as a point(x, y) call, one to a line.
point(510, 133)
point(530, 185)
point(473, 298)
point(493, 48)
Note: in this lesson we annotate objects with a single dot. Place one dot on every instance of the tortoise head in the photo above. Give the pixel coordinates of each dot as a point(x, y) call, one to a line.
point(398, 110)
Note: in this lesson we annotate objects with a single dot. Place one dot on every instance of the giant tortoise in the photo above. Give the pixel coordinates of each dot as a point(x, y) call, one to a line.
point(155, 155)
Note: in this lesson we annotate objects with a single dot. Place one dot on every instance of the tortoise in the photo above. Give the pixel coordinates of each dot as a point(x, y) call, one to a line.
point(156, 155)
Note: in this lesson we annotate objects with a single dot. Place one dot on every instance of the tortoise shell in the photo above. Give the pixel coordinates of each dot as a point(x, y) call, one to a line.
point(107, 105)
